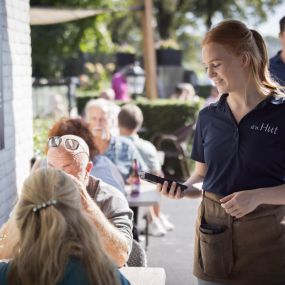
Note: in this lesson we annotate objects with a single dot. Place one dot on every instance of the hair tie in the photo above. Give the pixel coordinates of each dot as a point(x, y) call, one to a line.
point(38, 207)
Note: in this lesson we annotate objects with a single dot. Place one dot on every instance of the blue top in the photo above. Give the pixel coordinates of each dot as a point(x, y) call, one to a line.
point(121, 151)
point(74, 274)
point(243, 156)
point(277, 69)
point(105, 169)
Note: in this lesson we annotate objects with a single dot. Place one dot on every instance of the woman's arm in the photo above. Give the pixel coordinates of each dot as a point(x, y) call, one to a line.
point(191, 192)
point(240, 203)
point(9, 237)
point(197, 177)
point(272, 195)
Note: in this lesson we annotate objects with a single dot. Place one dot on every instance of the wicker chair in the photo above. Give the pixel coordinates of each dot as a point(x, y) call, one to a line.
point(137, 256)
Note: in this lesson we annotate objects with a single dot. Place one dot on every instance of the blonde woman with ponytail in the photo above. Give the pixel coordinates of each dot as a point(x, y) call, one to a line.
point(239, 154)
point(58, 243)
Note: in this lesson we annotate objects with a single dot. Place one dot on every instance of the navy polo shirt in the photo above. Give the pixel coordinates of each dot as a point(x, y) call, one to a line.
point(245, 155)
point(277, 69)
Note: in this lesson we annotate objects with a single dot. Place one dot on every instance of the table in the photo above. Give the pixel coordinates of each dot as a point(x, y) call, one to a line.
point(144, 275)
point(148, 197)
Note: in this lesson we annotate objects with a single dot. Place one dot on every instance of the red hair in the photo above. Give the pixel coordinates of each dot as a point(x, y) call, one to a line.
point(77, 127)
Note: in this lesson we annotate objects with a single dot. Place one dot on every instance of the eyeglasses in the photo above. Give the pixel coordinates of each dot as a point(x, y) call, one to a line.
point(70, 144)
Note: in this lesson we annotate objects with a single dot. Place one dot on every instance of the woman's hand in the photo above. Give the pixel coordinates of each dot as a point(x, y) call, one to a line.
point(173, 193)
point(191, 191)
point(239, 204)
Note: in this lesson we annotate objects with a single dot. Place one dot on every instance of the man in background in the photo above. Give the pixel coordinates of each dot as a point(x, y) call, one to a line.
point(130, 120)
point(118, 149)
point(277, 63)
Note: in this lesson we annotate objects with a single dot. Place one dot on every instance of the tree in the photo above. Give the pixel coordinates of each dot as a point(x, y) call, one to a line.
point(52, 45)
point(243, 9)
point(172, 15)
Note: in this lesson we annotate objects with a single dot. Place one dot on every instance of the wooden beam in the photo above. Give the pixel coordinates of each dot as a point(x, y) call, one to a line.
point(149, 51)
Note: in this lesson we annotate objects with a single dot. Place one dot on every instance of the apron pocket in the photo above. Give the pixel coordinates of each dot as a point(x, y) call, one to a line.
point(215, 251)
point(257, 232)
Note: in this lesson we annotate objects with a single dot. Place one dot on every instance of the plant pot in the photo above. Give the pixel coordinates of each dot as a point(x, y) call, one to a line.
point(169, 57)
point(123, 59)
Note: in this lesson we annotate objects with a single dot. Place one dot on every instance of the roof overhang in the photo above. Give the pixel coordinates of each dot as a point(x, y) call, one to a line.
point(51, 16)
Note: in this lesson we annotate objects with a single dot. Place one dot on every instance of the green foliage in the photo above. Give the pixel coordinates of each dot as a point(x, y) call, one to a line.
point(73, 3)
point(97, 77)
point(96, 38)
point(125, 26)
point(248, 9)
point(125, 48)
point(171, 15)
point(166, 116)
point(86, 93)
point(175, 17)
point(52, 45)
point(62, 42)
point(168, 44)
point(41, 127)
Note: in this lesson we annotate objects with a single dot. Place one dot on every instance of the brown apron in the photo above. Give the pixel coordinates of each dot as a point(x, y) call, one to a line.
point(245, 251)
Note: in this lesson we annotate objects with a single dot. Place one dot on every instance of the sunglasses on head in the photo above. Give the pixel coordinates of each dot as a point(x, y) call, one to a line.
point(70, 144)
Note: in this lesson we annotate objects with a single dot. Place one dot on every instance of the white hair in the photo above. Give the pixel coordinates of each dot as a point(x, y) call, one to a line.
point(100, 103)
point(110, 110)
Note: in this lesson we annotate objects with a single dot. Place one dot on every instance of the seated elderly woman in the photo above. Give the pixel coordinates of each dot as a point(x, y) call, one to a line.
point(59, 244)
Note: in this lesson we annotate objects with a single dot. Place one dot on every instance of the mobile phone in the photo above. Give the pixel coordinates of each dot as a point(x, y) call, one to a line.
point(210, 229)
point(157, 179)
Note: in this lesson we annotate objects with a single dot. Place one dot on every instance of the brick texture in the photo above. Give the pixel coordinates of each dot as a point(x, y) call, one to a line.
point(17, 98)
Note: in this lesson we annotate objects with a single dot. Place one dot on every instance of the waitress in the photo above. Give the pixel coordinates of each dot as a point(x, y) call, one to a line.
point(239, 154)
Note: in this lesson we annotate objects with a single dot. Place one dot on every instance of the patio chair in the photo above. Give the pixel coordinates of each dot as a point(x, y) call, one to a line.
point(137, 256)
point(176, 156)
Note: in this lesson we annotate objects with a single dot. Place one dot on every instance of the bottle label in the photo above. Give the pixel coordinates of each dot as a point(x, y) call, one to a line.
point(135, 189)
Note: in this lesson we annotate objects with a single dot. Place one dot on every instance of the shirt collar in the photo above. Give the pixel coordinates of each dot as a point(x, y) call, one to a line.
point(273, 98)
point(220, 104)
point(134, 137)
point(277, 58)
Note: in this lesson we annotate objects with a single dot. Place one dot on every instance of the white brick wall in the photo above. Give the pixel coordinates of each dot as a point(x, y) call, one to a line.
point(16, 87)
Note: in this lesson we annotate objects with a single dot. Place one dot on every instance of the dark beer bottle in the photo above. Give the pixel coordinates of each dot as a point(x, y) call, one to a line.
point(135, 179)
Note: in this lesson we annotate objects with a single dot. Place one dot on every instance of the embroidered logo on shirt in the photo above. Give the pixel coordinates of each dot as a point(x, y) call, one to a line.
point(265, 127)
